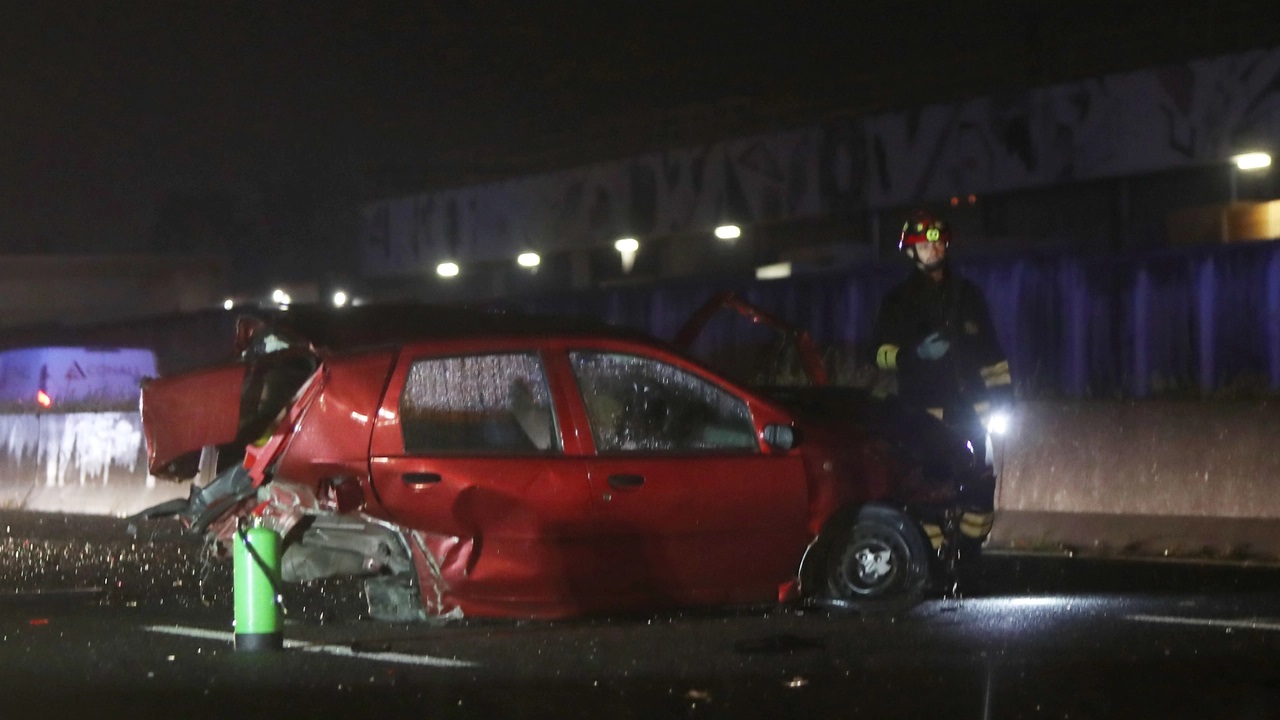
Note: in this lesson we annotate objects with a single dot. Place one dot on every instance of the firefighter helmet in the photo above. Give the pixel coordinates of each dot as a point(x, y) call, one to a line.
point(921, 227)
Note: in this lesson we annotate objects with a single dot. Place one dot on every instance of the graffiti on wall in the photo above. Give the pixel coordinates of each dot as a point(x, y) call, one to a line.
point(1192, 114)
point(1131, 123)
point(75, 448)
point(91, 463)
point(788, 175)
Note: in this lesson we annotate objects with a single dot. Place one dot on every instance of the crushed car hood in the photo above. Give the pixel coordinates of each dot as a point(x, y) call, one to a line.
point(914, 436)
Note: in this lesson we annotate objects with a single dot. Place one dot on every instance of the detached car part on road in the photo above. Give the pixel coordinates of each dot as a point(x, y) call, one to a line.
point(498, 464)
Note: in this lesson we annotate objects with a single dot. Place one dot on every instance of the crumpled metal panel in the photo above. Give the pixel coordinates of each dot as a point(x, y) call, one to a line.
point(435, 556)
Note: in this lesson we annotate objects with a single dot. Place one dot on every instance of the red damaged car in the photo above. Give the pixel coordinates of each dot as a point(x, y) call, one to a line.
point(496, 464)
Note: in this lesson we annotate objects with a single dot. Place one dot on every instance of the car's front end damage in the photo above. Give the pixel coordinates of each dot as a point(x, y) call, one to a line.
point(891, 456)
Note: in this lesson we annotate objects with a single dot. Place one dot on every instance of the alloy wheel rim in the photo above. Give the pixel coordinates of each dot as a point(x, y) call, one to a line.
point(869, 566)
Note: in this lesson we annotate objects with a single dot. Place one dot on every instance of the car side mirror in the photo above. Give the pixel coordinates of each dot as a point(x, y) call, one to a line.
point(779, 438)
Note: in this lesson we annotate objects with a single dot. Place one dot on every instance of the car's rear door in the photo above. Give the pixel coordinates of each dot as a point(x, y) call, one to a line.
point(469, 449)
point(692, 507)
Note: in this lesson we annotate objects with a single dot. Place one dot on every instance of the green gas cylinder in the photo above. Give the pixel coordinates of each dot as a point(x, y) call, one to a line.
point(256, 562)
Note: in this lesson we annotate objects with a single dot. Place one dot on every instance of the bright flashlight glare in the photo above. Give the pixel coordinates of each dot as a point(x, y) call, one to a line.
point(280, 297)
point(1252, 161)
point(340, 299)
point(627, 245)
point(447, 269)
point(998, 423)
point(529, 260)
point(228, 304)
point(728, 232)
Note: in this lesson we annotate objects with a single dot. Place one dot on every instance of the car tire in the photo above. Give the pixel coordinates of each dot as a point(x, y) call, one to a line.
point(876, 562)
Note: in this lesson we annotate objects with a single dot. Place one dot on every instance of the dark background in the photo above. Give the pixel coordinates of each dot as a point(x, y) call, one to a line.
point(254, 129)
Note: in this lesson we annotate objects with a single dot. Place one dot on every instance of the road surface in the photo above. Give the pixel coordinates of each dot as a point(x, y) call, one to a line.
point(93, 621)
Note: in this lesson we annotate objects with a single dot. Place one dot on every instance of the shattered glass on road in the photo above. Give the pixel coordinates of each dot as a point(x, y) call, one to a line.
point(48, 556)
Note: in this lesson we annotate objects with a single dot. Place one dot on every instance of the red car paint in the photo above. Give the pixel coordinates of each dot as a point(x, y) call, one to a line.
point(207, 404)
point(558, 533)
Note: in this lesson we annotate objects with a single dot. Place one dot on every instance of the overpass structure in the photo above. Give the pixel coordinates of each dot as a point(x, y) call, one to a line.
point(1100, 164)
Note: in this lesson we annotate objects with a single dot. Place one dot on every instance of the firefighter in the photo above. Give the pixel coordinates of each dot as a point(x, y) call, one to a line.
point(935, 333)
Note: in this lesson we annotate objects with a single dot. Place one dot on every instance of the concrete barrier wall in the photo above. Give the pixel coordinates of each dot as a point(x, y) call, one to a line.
point(1153, 477)
point(1178, 479)
point(91, 463)
point(1149, 457)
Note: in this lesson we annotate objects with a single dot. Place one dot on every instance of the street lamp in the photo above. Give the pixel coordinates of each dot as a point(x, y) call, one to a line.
point(1252, 160)
point(627, 249)
point(728, 232)
point(1247, 162)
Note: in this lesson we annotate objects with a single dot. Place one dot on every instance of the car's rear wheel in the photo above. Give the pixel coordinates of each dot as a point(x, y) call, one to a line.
point(876, 562)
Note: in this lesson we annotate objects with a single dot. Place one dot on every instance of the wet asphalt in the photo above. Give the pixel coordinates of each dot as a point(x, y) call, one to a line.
point(95, 621)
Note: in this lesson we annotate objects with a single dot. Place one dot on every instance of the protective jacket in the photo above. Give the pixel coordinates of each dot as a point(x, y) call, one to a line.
point(972, 377)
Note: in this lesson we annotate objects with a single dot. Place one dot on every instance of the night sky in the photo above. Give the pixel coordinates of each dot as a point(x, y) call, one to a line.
point(253, 129)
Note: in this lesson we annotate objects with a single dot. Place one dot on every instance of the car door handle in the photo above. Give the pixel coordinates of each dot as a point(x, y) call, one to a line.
point(626, 481)
point(420, 478)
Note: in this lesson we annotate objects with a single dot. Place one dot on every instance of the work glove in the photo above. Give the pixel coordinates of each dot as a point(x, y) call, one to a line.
point(933, 347)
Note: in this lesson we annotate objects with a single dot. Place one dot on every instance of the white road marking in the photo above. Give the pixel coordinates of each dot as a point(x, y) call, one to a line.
point(335, 650)
point(1208, 622)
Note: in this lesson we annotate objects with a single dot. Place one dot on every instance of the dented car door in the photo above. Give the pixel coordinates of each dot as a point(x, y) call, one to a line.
point(468, 453)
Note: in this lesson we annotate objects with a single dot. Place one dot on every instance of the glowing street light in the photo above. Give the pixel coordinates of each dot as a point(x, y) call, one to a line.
point(228, 304)
point(627, 248)
point(1252, 161)
point(1247, 162)
point(728, 232)
point(776, 271)
point(340, 299)
point(529, 260)
point(447, 269)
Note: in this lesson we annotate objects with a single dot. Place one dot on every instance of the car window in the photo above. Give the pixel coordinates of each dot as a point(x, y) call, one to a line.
point(478, 404)
point(637, 404)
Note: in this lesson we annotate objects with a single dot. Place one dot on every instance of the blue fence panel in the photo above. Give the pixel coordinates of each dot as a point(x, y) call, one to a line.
point(1200, 319)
